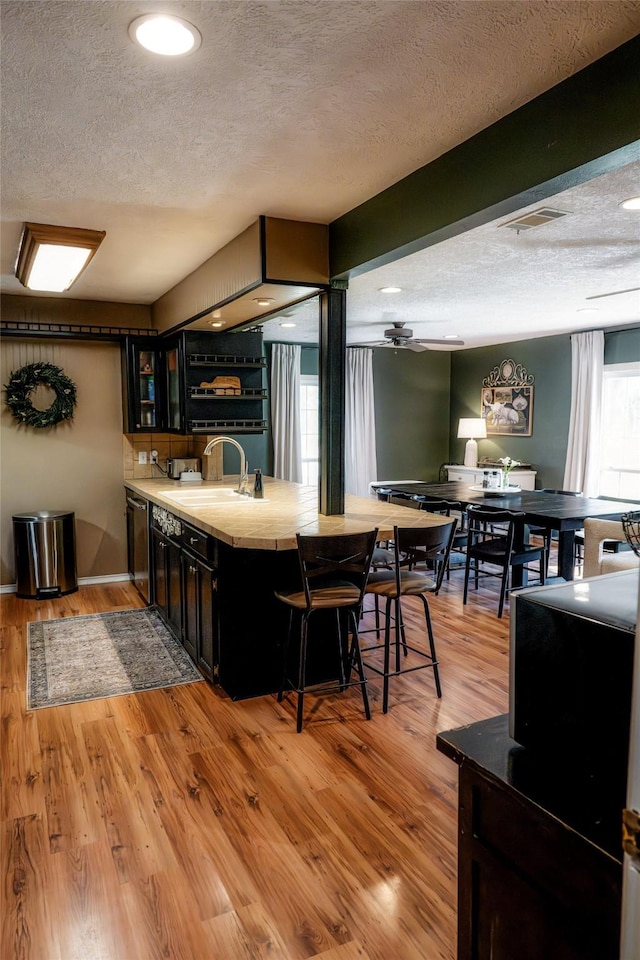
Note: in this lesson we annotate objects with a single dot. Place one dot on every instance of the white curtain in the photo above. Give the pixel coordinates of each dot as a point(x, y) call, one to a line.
point(285, 411)
point(360, 425)
point(582, 468)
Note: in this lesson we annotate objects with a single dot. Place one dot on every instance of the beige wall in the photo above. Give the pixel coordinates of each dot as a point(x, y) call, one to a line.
point(76, 465)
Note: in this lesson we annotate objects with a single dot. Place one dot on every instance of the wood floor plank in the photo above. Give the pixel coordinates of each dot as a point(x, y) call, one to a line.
point(85, 894)
point(27, 924)
point(138, 843)
point(72, 806)
point(22, 790)
point(180, 824)
point(247, 934)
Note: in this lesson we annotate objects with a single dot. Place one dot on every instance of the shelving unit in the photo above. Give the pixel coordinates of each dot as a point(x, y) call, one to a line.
point(163, 384)
point(224, 409)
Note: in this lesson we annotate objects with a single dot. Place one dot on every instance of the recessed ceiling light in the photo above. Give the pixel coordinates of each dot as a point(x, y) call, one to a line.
point(263, 301)
point(216, 323)
point(287, 324)
point(168, 36)
point(451, 336)
point(633, 203)
point(390, 289)
point(588, 310)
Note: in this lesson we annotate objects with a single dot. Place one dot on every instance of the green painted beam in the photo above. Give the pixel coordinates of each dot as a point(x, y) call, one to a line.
point(577, 130)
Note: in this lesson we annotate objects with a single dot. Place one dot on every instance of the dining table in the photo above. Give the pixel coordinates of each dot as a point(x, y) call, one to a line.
point(554, 511)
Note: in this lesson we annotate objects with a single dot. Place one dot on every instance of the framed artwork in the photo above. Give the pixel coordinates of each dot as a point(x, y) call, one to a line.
point(508, 410)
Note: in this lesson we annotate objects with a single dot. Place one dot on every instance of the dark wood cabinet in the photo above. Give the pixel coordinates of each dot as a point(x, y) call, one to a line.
point(196, 382)
point(224, 389)
point(167, 580)
point(539, 855)
point(199, 607)
point(143, 406)
point(184, 581)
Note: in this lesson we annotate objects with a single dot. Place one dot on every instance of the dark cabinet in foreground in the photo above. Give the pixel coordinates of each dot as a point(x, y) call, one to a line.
point(539, 858)
point(542, 789)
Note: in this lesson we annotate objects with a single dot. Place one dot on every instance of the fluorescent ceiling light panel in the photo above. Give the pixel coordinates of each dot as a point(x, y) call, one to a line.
point(52, 258)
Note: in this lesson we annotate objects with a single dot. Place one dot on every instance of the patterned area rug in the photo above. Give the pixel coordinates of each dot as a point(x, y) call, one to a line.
point(102, 655)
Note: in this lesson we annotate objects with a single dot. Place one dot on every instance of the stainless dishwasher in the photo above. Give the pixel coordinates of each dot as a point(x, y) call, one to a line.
point(138, 543)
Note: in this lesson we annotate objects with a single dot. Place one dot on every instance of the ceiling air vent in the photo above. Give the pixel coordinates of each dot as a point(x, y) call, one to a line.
point(534, 219)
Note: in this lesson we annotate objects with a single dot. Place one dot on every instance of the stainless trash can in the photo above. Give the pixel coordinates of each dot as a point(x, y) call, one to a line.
point(45, 554)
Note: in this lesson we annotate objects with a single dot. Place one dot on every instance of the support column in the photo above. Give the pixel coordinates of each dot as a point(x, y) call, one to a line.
point(332, 366)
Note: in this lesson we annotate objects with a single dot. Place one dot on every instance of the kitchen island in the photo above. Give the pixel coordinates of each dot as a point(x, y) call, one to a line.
point(217, 557)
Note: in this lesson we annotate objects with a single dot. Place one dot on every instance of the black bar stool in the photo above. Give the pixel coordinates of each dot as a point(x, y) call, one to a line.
point(333, 571)
point(435, 543)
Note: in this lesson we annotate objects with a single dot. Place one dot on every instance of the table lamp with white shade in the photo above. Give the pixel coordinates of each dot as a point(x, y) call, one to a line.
point(473, 429)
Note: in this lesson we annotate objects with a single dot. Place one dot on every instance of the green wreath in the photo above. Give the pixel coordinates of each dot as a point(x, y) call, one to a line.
point(23, 382)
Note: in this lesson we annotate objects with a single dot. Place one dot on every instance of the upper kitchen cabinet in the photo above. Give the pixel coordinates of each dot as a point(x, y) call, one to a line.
point(197, 382)
point(143, 394)
point(224, 383)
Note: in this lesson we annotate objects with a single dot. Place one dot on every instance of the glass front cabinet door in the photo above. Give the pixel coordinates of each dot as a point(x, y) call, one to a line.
point(141, 380)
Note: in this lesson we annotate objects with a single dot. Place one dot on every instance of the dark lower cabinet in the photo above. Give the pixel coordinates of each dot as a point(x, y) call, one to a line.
point(184, 587)
point(219, 602)
point(199, 587)
point(539, 854)
point(167, 586)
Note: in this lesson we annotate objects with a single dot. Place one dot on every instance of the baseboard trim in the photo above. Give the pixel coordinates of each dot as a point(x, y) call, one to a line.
point(82, 581)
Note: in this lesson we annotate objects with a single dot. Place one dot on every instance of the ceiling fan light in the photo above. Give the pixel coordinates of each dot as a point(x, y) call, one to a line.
point(631, 203)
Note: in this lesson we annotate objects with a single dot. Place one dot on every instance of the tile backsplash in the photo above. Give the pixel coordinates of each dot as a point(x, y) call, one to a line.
point(169, 446)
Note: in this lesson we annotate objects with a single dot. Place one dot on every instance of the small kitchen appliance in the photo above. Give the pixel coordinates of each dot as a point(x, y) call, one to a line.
point(179, 466)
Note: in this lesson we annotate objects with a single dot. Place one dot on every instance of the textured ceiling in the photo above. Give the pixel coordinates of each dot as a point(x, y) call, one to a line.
point(299, 110)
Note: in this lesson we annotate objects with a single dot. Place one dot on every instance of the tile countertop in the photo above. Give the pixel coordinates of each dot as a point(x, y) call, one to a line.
point(288, 508)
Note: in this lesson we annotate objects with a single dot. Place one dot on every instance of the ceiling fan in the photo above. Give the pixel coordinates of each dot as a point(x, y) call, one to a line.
point(400, 336)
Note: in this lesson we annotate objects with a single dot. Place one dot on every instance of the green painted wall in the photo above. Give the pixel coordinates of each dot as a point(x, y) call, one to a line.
point(623, 346)
point(548, 360)
point(420, 397)
point(412, 413)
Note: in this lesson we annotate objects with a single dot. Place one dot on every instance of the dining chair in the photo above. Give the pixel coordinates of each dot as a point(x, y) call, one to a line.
point(448, 508)
point(547, 533)
point(488, 545)
point(608, 546)
point(392, 585)
point(631, 527)
point(333, 575)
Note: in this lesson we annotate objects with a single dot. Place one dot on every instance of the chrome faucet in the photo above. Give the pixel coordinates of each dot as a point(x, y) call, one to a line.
point(244, 466)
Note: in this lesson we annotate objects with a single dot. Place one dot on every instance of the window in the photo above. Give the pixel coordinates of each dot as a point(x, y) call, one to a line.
point(309, 428)
point(620, 443)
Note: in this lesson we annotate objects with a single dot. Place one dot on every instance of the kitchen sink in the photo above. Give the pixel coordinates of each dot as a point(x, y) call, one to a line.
point(212, 497)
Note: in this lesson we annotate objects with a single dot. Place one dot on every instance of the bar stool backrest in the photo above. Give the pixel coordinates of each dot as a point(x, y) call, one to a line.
point(432, 542)
point(339, 564)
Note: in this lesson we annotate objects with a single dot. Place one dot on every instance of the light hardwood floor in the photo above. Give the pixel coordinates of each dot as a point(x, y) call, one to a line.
point(179, 824)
